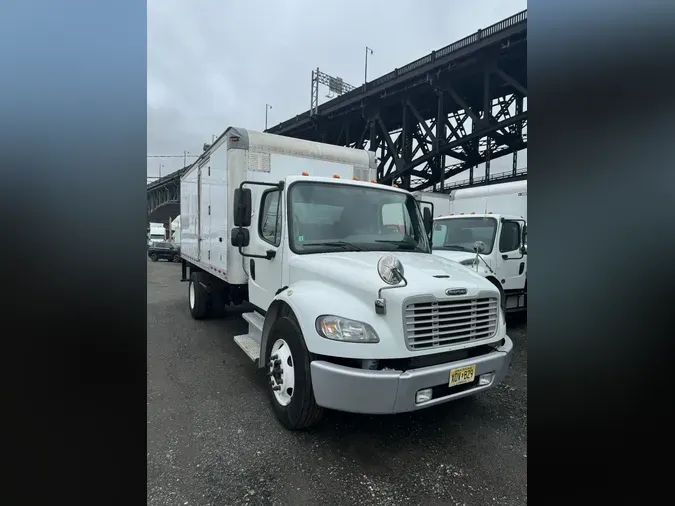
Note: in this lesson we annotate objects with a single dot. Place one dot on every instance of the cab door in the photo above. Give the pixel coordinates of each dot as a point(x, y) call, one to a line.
point(512, 263)
point(264, 274)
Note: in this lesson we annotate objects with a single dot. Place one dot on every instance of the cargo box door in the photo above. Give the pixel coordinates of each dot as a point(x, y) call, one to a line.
point(204, 218)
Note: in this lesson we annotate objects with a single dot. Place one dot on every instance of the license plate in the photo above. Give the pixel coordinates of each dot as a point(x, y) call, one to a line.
point(462, 375)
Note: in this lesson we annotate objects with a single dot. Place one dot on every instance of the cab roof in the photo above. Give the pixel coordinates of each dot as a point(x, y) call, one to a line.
point(480, 215)
point(364, 184)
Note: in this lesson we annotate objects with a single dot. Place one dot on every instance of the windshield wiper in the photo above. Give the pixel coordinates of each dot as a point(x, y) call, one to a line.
point(341, 244)
point(454, 247)
point(407, 243)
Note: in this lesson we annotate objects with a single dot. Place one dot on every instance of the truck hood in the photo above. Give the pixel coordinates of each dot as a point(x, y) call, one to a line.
point(356, 272)
point(458, 256)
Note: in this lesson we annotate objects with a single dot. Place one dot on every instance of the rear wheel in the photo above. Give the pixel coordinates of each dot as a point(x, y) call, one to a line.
point(290, 382)
point(198, 297)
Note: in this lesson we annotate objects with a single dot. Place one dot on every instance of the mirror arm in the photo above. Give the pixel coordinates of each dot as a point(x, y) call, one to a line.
point(268, 256)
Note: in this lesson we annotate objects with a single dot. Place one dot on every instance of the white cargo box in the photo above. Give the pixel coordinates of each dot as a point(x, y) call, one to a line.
point(207, 188)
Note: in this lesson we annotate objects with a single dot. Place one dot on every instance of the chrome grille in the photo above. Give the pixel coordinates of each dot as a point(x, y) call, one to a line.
point(446, 322)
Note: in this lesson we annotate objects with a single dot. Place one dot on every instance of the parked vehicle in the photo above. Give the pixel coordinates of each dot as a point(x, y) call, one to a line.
point(497, 217)
point(156, 233)
point(164, 251)
point(347, 308)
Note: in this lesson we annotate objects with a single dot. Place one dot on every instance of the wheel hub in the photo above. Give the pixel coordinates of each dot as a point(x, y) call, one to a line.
point(281, 372)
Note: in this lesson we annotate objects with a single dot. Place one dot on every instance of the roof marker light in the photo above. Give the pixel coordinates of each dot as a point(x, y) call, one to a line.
point(336, 176)
point(305, 173)
point(373, 181)
point(355, 178)
point(395, 185)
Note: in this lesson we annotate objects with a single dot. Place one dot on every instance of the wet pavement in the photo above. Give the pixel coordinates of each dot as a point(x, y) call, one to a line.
point(213, 439)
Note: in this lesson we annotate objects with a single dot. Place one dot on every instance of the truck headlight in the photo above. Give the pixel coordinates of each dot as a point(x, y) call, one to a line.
point(337, 328)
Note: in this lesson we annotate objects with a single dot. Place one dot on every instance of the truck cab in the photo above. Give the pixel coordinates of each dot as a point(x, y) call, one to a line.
point(501, 255)
point(347, 307)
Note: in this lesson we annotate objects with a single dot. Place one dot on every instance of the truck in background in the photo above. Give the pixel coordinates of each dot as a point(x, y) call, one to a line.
point(156, 233)
point(175, 230)
point(495, 216)
point(347, 308)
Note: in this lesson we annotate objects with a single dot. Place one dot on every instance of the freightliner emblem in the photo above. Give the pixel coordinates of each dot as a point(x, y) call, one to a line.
point(455, 291)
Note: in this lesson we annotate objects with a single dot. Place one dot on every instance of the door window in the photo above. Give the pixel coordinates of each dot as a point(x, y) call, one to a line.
point(269, 224)
point(510, 237)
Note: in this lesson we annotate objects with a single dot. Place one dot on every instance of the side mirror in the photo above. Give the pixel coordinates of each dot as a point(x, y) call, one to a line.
point(428, 220)
point(240, 237)
point(242, 207)
point(523, 249)
point(479, 246)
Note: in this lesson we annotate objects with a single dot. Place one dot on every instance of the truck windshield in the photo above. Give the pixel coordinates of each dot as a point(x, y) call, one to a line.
point(459, 234)
point(328, 217)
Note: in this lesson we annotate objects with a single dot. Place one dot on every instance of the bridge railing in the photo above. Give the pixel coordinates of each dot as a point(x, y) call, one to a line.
point(451, 48)
point(164, 179)
point(499, 176)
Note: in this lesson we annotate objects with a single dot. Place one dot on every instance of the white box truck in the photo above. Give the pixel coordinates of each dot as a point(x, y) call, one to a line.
point(495, 216)
point(156, 233)
point(347, 308)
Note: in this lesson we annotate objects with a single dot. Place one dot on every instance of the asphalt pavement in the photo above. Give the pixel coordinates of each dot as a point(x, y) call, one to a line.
point(213, 439)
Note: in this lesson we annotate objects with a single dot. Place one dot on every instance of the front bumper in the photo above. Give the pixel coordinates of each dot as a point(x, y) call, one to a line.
point(381, 392)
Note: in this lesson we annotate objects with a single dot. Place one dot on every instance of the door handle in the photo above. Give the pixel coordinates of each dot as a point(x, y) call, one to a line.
point(270, 254)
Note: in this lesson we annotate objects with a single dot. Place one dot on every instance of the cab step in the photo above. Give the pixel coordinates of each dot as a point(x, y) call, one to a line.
point(249, 345)
point(250, 342)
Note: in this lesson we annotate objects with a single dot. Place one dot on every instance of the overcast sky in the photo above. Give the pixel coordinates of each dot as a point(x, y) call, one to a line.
point(216, 63)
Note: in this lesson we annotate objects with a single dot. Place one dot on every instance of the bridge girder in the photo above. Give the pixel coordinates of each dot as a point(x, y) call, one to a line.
point(163, 198)
point(466, 111)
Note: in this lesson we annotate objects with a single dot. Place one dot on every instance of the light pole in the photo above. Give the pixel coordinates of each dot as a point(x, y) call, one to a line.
point(365, 78)
point(160, 170)
point(267, 108)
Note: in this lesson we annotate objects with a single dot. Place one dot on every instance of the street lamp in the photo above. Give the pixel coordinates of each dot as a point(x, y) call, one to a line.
point(160, 170)
point(267, 108)
point(368, 50)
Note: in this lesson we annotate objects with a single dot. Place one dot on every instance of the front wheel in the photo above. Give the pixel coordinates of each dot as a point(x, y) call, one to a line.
point(290, 381)
point(153, 257)
point(176, 258)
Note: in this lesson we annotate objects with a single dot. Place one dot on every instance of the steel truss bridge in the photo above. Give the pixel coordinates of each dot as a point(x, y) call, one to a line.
point(164, 197)
point(439, 116)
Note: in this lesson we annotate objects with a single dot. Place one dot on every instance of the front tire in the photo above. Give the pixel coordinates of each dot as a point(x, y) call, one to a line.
point(176, 258)
point(198, 297)
point(289, 378)
point(153, 257)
